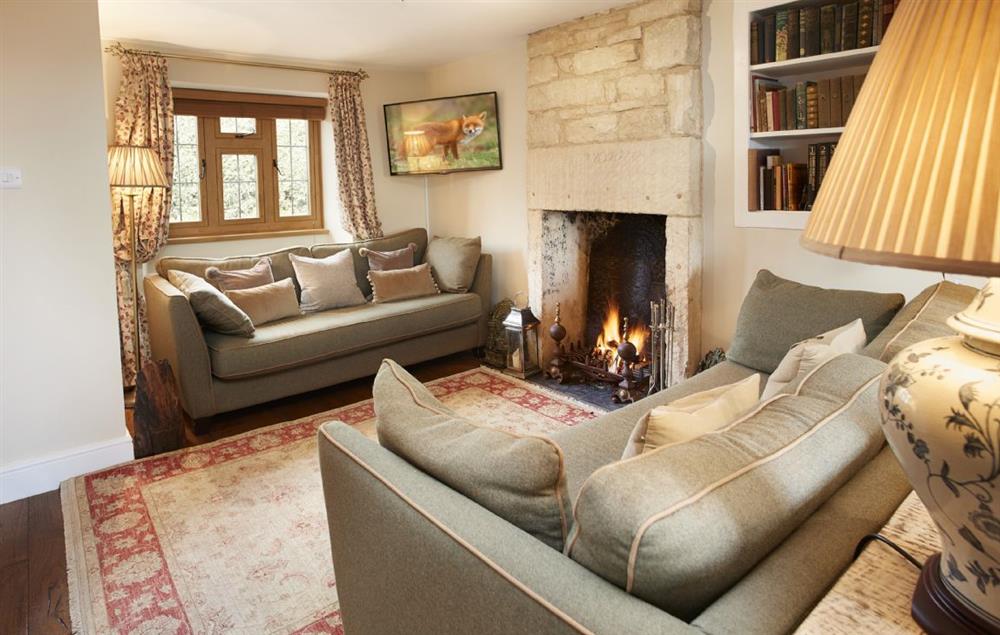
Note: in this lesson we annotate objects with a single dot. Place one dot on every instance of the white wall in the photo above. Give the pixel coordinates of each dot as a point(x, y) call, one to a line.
point(733, 255)
point(400, 201)
point(491, 204)
point(61, 410)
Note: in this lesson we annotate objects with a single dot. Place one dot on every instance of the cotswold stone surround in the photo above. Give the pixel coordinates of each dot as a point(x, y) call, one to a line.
point(614, 125)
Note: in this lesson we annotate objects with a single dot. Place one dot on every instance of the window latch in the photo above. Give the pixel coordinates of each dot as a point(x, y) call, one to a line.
point(274, 162)
point(204, 167)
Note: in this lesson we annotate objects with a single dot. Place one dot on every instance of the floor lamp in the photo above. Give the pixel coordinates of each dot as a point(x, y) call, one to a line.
point(131, 169)
point(915, 183)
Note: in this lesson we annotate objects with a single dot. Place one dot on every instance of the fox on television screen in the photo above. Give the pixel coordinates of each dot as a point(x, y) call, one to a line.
point(449, 134)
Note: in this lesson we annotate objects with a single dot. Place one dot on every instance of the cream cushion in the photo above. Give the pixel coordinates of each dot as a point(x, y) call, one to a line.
point(327, 283)
point(267, 303)
point(692, 416)
point(803, 357)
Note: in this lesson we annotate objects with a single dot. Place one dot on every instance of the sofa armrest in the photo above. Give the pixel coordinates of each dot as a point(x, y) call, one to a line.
point(176, 336)
point(411, 555)
point(482, 285)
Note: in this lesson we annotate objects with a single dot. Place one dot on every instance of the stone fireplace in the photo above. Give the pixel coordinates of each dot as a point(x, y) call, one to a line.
point(614, 128)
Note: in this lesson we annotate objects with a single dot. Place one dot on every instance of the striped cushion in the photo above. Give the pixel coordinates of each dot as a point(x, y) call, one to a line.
point(680, 525)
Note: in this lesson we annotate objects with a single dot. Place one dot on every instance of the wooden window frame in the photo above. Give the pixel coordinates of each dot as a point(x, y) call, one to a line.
point(209, 106)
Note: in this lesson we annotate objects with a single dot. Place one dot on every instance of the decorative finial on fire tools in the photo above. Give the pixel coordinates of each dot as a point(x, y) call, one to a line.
point(557, 332)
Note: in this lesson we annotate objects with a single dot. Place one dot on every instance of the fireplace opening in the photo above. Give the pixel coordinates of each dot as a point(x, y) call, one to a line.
point(607, 317)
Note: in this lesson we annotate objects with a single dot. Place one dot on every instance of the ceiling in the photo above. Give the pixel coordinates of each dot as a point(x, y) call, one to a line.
point(401, 33)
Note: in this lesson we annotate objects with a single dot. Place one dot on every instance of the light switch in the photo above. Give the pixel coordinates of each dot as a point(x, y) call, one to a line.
point(10, 178)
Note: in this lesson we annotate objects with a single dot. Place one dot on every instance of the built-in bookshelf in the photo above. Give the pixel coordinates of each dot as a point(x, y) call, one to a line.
point(792, 97)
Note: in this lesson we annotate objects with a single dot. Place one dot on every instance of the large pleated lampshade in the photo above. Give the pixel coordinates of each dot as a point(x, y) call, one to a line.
point(915, 179)
point(135, 167)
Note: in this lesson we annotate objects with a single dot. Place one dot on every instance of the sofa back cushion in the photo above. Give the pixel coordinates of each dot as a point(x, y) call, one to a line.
point(518, 477)
point(387, 243)
point(281, 265)
point(778, 313)
point(680, 525)
point(921, 319)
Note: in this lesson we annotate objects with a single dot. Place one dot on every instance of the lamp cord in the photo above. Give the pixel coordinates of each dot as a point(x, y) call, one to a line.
point(880, 538)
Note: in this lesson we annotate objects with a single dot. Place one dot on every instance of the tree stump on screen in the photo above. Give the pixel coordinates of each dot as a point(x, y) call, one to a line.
point(158, 419)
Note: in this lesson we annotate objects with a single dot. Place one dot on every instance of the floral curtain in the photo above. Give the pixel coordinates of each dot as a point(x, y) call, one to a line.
point(354, 157)
point(144, 116)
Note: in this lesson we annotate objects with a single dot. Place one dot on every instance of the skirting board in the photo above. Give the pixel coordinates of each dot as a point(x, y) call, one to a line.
point(27, 478)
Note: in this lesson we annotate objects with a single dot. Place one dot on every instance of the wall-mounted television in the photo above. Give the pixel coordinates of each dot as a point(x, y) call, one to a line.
point(443, 135)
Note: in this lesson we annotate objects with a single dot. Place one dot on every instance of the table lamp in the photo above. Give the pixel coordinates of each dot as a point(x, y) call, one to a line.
point(132, 168)
point(915, 183)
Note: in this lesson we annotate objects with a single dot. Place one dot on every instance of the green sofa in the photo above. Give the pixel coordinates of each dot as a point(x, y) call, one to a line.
point(412, 555)
point(218, 373)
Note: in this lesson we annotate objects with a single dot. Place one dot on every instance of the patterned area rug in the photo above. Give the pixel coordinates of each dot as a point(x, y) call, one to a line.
point(231, 537)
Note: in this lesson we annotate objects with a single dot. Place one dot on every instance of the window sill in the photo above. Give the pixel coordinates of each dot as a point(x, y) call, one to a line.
point(211, 238)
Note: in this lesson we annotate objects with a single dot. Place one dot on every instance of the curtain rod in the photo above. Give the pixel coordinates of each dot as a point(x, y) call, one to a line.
point(118, 49)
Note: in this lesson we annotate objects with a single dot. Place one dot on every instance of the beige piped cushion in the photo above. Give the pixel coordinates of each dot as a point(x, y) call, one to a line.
point(267, 303)
point(453, 262)
point(213, 309)
point(327, 283)
point(680, 525)
point(693, 416)
point(402, 284)
point(520, 478)
point(235, 279)
point(808, 354)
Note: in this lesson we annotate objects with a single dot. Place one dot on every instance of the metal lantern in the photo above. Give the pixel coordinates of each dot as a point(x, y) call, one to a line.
point(521, 329)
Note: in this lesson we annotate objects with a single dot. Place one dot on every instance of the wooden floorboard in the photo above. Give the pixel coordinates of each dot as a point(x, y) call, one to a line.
point(33, 588)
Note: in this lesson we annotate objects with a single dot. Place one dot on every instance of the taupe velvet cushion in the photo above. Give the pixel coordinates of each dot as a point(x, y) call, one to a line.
point(520, 478)
point(401, 284)
point(417, 236)
point(778, 313)
point(327, 283)
point(922, 318)
point(267, 303)
point(236, 279)
point(680, 525)
point(453, 262)
point(213, 310)
point(390, 260)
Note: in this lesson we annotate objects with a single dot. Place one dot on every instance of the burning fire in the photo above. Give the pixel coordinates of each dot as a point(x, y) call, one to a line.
point(611, 336)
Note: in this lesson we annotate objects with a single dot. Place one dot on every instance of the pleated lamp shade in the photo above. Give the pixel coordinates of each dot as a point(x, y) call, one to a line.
point(915, 179)
point(135, 166)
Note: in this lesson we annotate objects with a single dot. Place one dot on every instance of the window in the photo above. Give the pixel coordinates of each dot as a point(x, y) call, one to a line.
point(245, 164)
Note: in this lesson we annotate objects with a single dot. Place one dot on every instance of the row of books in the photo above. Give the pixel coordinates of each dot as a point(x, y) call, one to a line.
point(774, 184)
point(800, 32)
point(825, 103)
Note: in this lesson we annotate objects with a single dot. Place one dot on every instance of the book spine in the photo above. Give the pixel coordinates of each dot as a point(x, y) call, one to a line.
point(774, 109)
point(823, 93)
point(836, 103)
point(800, 105)
point(778, 202)
point(812, 105)
point(769, 35)
point(793, 33)
point(850, 26)
point(761, 179)
point(812, 185)
point(781, 35)
point(827, 21)
point(838, 28)
point(789, 119)
point(754, 42)
point(865, 22)
point(811, 29)
point(824, 163)
point(762, 122)
point(803, 36)
point(753, 163)
point(847, 95)
point(888, 9)
point(768, 183)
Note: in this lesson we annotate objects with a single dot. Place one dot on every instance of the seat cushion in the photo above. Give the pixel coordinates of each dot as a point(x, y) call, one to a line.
point(418, 236)
point(921, 319)
point(680, 525)
point(600, 441)
point(318, 336)
point(777, 313)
